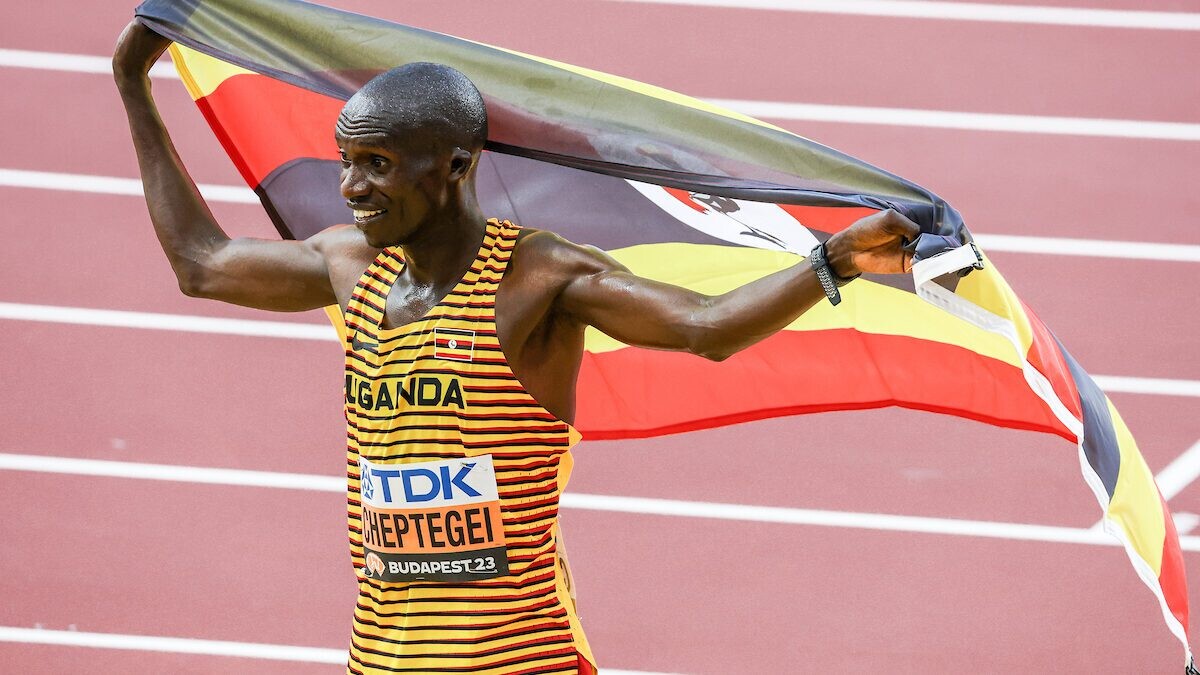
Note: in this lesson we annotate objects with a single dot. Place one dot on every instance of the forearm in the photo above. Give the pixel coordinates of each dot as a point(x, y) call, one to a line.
point(757, 310)
point(726, 324)
point(598, 291)
point(186, 229)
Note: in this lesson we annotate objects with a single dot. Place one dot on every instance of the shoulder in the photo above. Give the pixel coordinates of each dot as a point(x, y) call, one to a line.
point(341, 241)
point(547, 254)
point(343, 246)
point(345, 253)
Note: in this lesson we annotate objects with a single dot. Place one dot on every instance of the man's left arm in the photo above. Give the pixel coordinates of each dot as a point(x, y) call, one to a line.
point(637, 311)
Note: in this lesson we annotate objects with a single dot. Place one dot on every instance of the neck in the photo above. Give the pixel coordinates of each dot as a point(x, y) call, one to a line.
point(440, 253)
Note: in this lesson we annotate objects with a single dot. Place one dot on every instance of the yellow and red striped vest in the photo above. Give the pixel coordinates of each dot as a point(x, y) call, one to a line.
point(454, 475)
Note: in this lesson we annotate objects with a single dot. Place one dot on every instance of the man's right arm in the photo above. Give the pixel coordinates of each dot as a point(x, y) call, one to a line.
point(273, 275)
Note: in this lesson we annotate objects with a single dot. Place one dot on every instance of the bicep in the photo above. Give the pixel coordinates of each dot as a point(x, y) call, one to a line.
point(283, 276)
point(635, 310)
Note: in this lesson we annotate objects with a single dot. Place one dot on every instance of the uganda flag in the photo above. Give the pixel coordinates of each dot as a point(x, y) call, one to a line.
point(687, 193)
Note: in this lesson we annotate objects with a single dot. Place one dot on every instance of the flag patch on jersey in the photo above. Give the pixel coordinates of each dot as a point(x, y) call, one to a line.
point(454, 344)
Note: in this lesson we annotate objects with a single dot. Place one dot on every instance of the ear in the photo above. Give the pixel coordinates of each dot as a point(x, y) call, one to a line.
point(461, 162)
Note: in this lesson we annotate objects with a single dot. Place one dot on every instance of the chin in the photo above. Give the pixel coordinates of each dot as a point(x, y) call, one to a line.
point(375, 240)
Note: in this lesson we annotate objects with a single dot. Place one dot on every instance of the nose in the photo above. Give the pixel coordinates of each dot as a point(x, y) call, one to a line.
point(354, 183)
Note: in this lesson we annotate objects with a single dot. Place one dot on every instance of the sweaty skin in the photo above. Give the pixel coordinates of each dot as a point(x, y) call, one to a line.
point(417, 169)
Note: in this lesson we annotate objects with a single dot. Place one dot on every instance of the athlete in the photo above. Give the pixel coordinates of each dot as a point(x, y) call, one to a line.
point(464, 339)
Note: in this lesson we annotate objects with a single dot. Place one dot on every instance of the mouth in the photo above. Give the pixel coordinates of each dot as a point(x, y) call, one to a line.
point(361, 217)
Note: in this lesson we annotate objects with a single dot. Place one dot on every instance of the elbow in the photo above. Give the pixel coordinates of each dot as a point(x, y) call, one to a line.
point(197, 272)
point(704, 337)
point(716, 355)
point(194, 282)
point(191, 288)
point(708, 345)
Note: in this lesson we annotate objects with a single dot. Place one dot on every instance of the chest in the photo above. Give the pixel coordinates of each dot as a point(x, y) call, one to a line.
point(408, 302)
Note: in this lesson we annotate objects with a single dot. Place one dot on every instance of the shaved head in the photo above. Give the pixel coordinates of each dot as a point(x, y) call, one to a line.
point(430, 100)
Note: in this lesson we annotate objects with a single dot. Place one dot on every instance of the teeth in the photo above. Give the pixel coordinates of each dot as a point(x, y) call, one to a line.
point(361, 215)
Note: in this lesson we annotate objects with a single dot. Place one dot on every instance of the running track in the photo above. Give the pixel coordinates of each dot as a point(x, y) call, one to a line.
point(181, 559)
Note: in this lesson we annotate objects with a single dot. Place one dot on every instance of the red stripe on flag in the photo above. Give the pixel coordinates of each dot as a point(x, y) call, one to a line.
point(264, 123)
point(685, 197)
point(1172, 575)
point(842, 369)
point(1045, 356)
point(827, 218)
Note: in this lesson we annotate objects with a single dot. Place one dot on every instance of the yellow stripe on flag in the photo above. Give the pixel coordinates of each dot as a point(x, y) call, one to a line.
point(201, 73)
point(990, 291)
point(1135, 503)
point(866, 306)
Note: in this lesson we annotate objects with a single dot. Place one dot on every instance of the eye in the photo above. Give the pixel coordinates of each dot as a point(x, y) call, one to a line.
point(378, 162)
point(345, 161)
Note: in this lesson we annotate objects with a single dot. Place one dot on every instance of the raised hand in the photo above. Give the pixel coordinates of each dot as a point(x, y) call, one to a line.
point(137, 50)
point(873, 245)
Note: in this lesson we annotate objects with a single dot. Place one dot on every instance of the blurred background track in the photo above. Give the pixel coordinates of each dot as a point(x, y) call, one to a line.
point(113, 554)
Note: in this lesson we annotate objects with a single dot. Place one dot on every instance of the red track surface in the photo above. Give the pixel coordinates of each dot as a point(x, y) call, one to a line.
point(657, 593)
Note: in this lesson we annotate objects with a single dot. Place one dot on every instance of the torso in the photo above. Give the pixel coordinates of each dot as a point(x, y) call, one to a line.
point(454, 474)
point(543, 348)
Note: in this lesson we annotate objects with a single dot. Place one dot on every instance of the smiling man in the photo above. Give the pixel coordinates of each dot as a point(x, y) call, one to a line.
point(464, 340)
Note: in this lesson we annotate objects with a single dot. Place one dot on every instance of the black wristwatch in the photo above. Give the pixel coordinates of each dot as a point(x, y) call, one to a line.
point(829, 279)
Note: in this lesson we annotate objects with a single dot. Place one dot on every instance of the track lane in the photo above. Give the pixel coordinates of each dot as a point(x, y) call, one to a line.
point(175, 559)
point(174, 398)
point(882, 461)
point(54, 660)
point(1116, 317)
point(896, 603)
point(108, 241)
point(740, 598)
point(819, 58)
point(242, 403)
point(892, 635)
point(1031, 184)
point(60, 138)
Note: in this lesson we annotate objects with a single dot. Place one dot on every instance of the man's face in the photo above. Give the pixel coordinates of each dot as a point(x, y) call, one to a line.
point(391, 183)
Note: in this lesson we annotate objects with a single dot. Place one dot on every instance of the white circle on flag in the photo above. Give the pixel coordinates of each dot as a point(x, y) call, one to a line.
point(453, 344)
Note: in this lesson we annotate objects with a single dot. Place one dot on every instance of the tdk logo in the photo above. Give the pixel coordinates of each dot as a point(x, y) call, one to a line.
point(444, 482)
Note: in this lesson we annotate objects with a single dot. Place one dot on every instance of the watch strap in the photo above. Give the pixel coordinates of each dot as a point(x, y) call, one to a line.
point(830, 281)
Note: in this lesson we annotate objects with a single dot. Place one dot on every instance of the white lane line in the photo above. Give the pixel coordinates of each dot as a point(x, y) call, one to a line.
point(811, 112)
point(971, 121)
point(74, 63)
point(590, 502)
point(1100, 248)
point(171, 472)
point(14, 311)
point(109, 185)
point(966, 11)
point(175, 645)
point(176, 322)
point(1184, 521)
point(1095, 248)
point(1147, 385)
point(1180, 473)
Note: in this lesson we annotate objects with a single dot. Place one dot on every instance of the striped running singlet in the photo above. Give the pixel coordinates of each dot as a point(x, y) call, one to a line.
point(455, 473)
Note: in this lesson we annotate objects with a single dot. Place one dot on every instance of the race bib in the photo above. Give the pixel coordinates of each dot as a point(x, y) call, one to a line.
point(437, 521)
